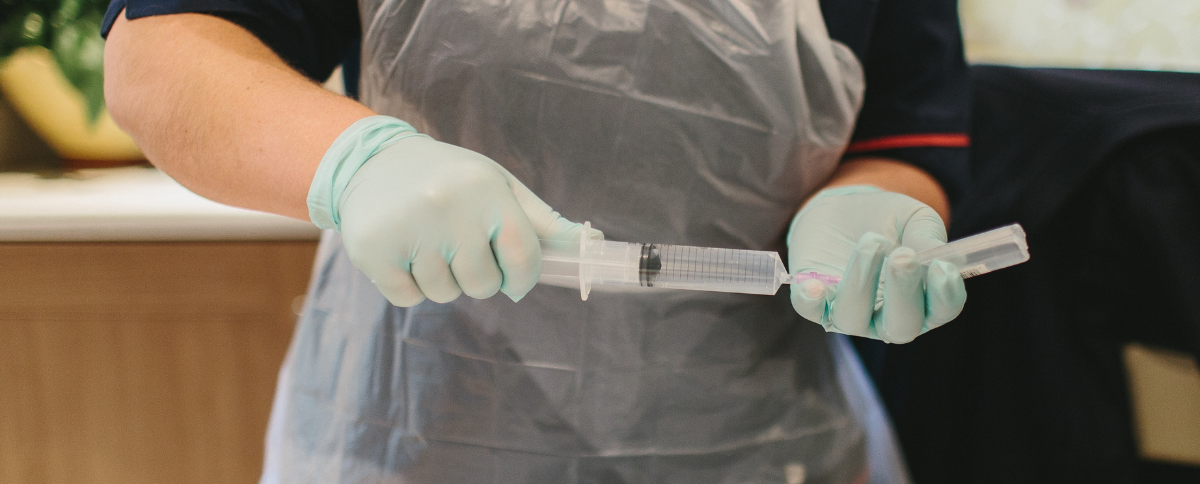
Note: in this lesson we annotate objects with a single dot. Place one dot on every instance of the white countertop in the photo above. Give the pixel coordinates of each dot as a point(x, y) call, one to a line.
point(127, 204)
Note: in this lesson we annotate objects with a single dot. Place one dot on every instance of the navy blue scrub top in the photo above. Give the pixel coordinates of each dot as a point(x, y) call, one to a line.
point(917, 94)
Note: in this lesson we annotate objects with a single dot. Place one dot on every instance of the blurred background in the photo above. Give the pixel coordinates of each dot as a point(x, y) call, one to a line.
point(1097, 34)
point(142, 327)
point(1081, 365)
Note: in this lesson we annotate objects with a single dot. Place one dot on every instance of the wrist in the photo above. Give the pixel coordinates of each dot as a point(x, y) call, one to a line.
point(894, 176)
point(357, 144)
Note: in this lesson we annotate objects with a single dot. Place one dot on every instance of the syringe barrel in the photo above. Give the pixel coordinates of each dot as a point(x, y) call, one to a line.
point(982, 253)
point(585, 263)
point(607, 263)
point(710, 269)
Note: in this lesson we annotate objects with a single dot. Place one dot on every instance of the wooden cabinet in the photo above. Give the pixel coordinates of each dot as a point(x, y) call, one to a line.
point(142, 362)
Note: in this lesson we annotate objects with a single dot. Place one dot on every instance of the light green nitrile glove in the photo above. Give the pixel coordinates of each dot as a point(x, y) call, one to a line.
point(866, 235)
point(426, 219)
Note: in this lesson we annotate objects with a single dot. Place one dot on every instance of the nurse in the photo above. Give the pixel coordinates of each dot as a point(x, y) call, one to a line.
point(425, 353)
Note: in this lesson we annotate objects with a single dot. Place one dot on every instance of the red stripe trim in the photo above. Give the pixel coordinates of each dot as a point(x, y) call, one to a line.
point(922, 140)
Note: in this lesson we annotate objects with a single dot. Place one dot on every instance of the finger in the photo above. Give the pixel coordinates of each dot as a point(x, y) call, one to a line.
point(474, 268)
point(903, 314)
point(546, 222)
point(571, 233)
point(810, 299)
point(515, 245)
point(397, 285)
point(432, 273)
point(854, 305)
point(924, 230)
point(945, 294)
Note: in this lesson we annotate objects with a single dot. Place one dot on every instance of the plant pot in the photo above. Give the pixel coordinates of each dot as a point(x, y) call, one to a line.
point(57, 112)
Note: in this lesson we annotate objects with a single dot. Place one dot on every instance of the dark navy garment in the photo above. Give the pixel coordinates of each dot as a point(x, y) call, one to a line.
point(917, 96)
point(312, 36)
point(1027, 385)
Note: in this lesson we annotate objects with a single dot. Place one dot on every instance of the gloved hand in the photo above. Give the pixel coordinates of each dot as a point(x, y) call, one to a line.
point(426, 219)
point(865, 234)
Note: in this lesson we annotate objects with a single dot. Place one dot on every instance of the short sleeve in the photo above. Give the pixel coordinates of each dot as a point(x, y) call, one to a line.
point(917, 103)
point(310, 35)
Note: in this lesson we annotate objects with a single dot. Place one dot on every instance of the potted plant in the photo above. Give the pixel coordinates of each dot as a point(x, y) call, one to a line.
point(52, 73)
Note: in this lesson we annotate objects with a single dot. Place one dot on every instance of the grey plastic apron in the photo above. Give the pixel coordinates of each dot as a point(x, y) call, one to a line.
point(699, 123)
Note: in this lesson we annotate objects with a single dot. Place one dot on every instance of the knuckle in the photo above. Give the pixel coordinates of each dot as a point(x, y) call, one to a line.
point(896, 340)
point(897, 328)
point(871, 245)
point(482, 292)
point(403, 298)
point(476, 177)
point(521, 264)
point(459, 185)
point(360, 258)
point(436, 197)
point(517, 286)
point(903, 266)
point(442, 297)
point(483, 289)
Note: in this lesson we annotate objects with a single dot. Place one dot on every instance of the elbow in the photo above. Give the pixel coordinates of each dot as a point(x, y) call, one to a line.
point(115, 100)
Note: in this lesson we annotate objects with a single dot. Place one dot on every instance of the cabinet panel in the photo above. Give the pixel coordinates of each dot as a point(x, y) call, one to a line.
point(142, 362)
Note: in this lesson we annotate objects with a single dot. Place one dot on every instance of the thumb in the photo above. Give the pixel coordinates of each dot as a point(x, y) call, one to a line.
point(924, 230)
point(547, 223)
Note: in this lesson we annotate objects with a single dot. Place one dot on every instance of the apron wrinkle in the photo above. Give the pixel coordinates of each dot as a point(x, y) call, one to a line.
point(659, 121)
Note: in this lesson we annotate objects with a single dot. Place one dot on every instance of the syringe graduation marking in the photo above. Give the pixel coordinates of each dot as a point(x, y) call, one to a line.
point(702, 265)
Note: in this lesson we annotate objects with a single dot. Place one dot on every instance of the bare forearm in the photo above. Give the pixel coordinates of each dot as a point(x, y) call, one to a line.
point(894, 176)
point(216, 109)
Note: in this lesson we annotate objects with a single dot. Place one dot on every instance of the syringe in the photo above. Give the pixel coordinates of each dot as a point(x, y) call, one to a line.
point(588, 263)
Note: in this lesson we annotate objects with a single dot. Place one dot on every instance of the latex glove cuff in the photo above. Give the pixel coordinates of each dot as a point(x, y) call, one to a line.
point(357, 144)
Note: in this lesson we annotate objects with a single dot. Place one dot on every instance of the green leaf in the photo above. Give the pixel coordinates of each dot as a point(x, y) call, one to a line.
point(79, 51)
point(71, 30)
point(67, 12)
point(23, 28)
